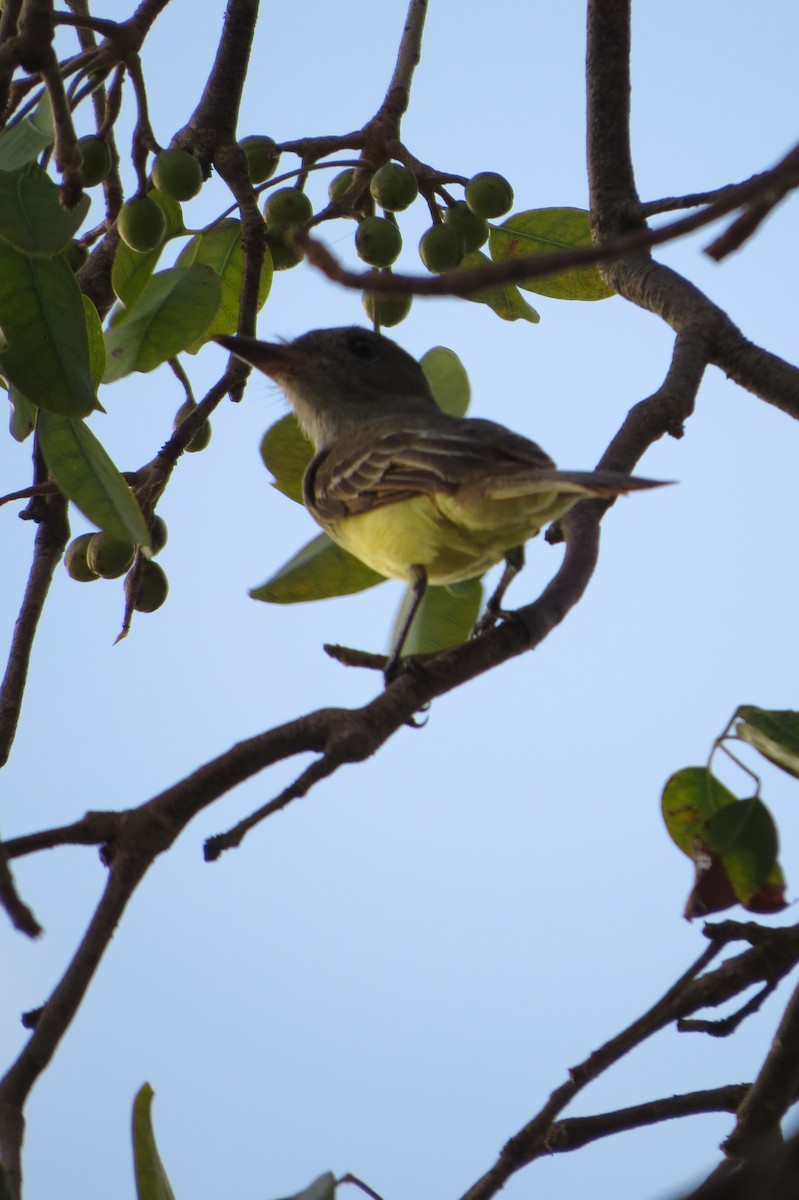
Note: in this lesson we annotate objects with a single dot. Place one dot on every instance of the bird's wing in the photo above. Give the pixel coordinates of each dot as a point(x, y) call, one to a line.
point(477, 459)
point(383, 465)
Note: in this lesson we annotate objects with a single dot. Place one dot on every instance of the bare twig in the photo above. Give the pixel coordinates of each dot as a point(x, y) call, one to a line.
point(575, 1132)
point(21, 916)
point(652, 208)
point(51, 538)
point(776, 184)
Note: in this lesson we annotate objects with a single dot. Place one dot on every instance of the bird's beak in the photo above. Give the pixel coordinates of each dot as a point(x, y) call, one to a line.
point(273, 358)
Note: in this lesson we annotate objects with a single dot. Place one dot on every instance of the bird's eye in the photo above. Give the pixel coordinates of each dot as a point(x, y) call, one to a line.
point(362, 347)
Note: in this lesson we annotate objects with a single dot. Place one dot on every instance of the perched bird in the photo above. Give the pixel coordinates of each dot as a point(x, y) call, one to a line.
point(412, 492)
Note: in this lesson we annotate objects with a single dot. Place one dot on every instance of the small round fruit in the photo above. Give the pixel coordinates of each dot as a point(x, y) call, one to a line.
point(76, 254)
point(394, 187)
point(153, 587)
point(384, 309)
point(287, 206)
point(340, 184)
point(141, 224)
point(108, 557)
point(285, 254)
point(177, 174)
point(378, 241)
point(96, 160)
point(202, 437)
point(441, 248)
point(158, 535)
point(75, 559)
point(473, 229)
point(262, 157)
point(488, 194)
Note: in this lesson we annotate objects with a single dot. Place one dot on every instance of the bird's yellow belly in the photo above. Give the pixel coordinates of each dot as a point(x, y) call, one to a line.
point(451, 539)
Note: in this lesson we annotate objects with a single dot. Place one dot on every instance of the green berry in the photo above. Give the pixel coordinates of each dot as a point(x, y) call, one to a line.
point(262, 157)
point(441, 248)
point(75, 559)
point(158, 534)
point(285, 254)
point(96, 160)
point(340, 184)
point(177, 174)
point(287, 206)
point(473, 229)
point(488, 194)
point(108, 557)
point(76, 254)
point(141, 224)
point(378, 241)
point(152, 589)
point(394, 187)
point(384, 309)
point(203, 435)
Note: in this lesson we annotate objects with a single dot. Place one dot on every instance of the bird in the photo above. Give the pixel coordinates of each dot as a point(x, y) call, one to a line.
point(411, 491)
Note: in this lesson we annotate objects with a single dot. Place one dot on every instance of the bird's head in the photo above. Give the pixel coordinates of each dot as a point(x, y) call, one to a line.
point(337, 379)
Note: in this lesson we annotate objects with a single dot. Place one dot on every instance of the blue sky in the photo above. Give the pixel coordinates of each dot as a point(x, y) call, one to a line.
point(391, 977)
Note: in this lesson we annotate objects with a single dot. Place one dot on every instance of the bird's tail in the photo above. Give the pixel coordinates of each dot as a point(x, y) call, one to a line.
point(577, 483)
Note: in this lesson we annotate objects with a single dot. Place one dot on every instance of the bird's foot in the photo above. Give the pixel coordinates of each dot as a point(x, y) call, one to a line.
point(491, 617)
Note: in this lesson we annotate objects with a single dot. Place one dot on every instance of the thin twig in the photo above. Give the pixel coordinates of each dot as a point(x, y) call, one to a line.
point(776, 184)
point(575, 1132)
point(20, 914)
point(51, 539)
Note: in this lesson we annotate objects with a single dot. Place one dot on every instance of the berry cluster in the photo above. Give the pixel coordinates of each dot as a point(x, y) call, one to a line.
point(94, 556)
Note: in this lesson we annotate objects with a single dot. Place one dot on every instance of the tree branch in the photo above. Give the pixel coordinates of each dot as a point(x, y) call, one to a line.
point(772, 1093)
point(51, 539)
point(398, 93)
point(774, 954)
point(576, 1132)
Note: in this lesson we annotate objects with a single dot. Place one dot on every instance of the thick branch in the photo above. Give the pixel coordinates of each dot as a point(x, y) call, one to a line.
point(214, 120)
point(58, 1012)
point(615, 210)
point(773, 1092)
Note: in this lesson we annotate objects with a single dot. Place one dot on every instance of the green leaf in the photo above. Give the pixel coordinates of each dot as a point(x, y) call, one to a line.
point(320, 570)
point(23, 415)
point(775, 733)
point(173, 309)
point(445, 617)
point(690, 798)
point(732, 842)
point(448, 380)
point(151, 1178)
point(87, 476)
point(545, 231)
point(286, 453)
point(323, 1188)
point(506, 300)
point(132, 270)
point(32, 219)
point(43, 320)
point(94, 330)
point(745, 838)
point(23, 142)
point(220, 248)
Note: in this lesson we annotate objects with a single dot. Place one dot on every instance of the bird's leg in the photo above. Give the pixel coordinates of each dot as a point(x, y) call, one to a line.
point(514, 562)
point(418, 588)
